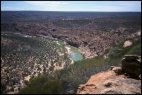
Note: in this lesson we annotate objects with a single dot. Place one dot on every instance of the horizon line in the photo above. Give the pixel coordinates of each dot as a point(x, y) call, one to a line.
point(69, 11)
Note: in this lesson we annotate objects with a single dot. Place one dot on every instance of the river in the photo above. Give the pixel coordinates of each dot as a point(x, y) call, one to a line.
point(74, 53)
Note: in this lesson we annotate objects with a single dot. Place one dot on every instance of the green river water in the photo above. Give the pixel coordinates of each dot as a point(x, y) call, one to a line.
point(75, 55)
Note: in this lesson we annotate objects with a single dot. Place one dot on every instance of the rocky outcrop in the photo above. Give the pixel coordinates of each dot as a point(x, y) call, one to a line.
point(113, 81)
point(127, 43)
point(131, 65)
point(110, 83)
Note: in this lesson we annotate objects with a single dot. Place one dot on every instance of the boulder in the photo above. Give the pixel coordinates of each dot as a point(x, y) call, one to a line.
point(117, 70)
point(131, 65)
point(131, 57)
point(127, 43)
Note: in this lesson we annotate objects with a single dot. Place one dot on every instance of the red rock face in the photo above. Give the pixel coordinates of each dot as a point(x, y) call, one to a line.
point(109, 82)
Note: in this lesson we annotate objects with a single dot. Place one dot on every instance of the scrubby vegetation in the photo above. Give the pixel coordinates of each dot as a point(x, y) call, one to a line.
point(119, 50)
point(92, 32)
point(24, 56)
point(69, 78)
point(35, 46)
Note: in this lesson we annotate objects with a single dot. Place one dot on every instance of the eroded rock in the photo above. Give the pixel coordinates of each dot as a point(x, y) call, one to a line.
point(114, 81)
point(110, 83)
point(127, 43)
point(131, 65)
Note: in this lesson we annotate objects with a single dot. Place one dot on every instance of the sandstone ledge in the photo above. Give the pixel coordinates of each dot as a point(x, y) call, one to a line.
point(109, 82)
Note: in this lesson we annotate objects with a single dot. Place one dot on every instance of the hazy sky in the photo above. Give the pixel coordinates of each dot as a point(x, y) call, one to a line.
point(110, 6)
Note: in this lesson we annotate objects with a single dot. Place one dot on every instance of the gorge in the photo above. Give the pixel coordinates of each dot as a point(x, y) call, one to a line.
point(54, 52)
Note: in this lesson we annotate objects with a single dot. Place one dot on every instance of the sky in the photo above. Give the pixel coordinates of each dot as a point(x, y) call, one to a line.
point(102, 6)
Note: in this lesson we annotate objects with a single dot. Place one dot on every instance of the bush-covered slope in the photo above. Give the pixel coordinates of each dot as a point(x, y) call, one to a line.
point(23, 57)
point(68, 79)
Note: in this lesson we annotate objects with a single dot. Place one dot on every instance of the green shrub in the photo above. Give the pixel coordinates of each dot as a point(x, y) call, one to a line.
point(68, 79)
point(42, 85)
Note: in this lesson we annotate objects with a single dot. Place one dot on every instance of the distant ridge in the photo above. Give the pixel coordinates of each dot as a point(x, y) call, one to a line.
point(76, 11)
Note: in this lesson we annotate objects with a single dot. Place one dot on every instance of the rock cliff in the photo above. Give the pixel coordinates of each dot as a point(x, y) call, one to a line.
point(116, 80)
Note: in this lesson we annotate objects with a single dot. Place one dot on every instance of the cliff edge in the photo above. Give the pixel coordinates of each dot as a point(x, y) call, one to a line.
point(117, 80)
